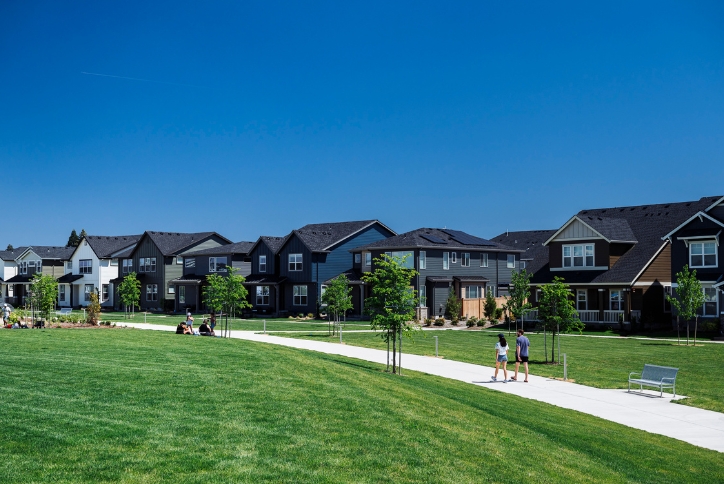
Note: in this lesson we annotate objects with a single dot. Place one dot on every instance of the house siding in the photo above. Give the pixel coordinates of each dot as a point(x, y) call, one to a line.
point(263, 249)
point(601, 252)
point(660, 268)
point(295, 246)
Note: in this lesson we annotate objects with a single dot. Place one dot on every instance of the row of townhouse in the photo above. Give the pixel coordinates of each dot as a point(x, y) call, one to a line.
point(284, 275)
point(622, 262)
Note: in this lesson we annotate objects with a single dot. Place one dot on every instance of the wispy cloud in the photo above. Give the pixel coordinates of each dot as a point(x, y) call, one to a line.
point(138, 79)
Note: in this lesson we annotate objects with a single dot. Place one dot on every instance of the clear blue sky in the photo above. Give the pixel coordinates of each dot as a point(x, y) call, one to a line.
point(265, 116)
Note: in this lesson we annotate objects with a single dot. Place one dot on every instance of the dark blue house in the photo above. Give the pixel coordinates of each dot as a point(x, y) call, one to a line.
point(264, 282)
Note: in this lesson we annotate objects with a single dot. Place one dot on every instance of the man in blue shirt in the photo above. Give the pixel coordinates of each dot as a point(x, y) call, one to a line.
point(521, 354)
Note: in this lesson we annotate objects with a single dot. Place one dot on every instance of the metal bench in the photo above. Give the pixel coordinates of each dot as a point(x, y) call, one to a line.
point(655, 376)
point(64, 311)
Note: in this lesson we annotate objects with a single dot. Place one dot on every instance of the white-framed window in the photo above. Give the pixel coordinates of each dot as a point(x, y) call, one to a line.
point(295, 263)
point(262, 295)
point(511, 261)
point(357, 258)
point(39, 266)
point(87, 291)
point(127, 266)
point(522, 265)
point(491, 290)
point(151, 292)
point(85, 266)
point(61, 292)
point(368, 259)
point(423, 296)
point(453, 257)
point(114, 262)
point(407, 255)
point(465, 262)
point(711, 302)
point(262, 263)
point(615, 300)
point(189, 262)
point(179, 260)
point(423, 260)
point(473, 292)
point(217, 264)
point(446, 261)
point(147, 264)
point(171, 289)
point(69, 265)
point(182, 294)
point(104, 292)
point(581, 300)
point(580, 255)
point(484, 260)
point(322, 290)
point(703, 254)
point(299, 295)
point(23, 267)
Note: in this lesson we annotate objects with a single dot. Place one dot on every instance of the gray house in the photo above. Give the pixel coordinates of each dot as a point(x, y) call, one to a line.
point(447, 259)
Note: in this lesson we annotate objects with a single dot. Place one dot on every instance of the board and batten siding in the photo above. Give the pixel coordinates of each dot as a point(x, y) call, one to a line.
point(575, 231)
point(295, 246)
point(263, 249)
point(209, 242)
point(146, 248)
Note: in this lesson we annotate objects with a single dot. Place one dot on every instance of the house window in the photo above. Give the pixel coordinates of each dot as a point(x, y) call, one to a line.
point(454, 257)
point(368, 259)
point(616, 300)
point(465, 262)
point(23, 267)
point(300, 295)
point(189, 262)
point(217, 264)
point(39, 266)
point(446, 261)
point(182, 294)
point(262, 263)
point(295, 263)
point(483, 260)
point(61, 293)
point(578, 255)
point(406, 257)
point(147, 264)
point(127, 266)
point(151, 292)
point(114, 262)
point(581, 300)
point(172, 289)
point(179, 260)
point(473, 292)
point(702, 254)
point(511, 261)
point(69, 265)
point(522, 265)
point(423, 296)
point(322, 290)
point(711, 304)
point(85, 266)
point(423, 259)
point(104, 292)
point(262, 295)
point(357, 258)
point(87, 292)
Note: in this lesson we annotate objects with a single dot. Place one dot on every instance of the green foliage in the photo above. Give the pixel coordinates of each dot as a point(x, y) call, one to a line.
point(338, 297)
point(453, 306)
point(81, 235)
point(93, 311)
point(439, 322)
point(226, 293)
point(73, 240)
point(129, 291)
point(490, 306)
point(10, 247)
point(517, 300)
point(44, 293)
point(689, 294)
point(557, 311)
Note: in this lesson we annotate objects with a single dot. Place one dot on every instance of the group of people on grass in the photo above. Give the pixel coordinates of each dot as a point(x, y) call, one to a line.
point(522, 344)
point(206, 328)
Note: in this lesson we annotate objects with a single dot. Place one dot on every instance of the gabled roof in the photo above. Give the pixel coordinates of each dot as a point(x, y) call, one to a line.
point(427, 238)
point(228, 249)
point(12, 254)
point(531, 241)
point(700, 214)
point(354, 277)
point(274, 243)
point(48, 252)
point(105, 245)
point(610, 229)
point(170, 243)
point(322, 237)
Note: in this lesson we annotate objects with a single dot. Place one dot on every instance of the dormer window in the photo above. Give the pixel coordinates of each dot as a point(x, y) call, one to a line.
point(702, 254)
point(578, 255)
point(262, 263)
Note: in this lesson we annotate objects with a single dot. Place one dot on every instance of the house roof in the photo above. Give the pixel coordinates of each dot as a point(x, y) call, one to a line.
point(427, 238)
point(12, 254)
point(261, 279)
point(322, 237)
point(531, 241)
point(170, 243)
point(48, 252)
point(19, 279)
point(189, 279)
point(68, 278)
point(648, 224)
point(228, 249)
point(274, 243)
point(354, 276)
point(700, 214)
point(471, 279)
point(105, 245)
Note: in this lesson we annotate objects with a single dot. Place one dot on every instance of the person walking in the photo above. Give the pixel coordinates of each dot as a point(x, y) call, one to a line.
point(501, 356)
point(522, 343)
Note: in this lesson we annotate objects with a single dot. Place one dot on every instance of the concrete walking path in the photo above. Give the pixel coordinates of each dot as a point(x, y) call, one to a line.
point(703, 428)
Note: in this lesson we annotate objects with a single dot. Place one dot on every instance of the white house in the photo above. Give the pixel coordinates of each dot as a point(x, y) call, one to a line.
point(48, 260)
point(91, 268)
point(8, 270)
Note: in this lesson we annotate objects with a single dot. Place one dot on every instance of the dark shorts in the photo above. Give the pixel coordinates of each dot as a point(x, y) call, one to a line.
point(523, 359)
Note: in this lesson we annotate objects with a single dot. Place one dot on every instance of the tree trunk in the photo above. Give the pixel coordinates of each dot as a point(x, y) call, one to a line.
point(696, 324)
point(553, 347)
point(394, 352)
point(678, 331)
point(687, 332)
point(388, 351)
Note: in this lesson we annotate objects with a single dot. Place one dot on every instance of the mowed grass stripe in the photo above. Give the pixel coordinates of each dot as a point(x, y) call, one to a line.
point(236, 411)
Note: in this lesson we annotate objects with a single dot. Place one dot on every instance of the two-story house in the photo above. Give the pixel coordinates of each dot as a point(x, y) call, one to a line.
point(614, 261)
point(696, 242)
point(198, 264)
point(447, 259)
point(316, 253)
point(8, 270)
point(157, 259)
point(91, 268)
point(48, 260)
point(264, 281)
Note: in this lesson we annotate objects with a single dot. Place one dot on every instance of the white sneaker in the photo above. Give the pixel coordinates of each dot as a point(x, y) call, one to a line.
point(492, 378)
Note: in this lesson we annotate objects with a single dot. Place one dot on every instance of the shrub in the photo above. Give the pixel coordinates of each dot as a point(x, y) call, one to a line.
point(429, 321)
point(310, 316)
point(439, 322)
point(454, 322)
point(300, 316)
point(490, 306)
point(498, 313)
point(470, 322)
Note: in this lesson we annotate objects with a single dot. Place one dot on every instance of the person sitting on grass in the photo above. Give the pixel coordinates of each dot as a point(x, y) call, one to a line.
point(205, 329)
point(501, 356)
point(183, 329)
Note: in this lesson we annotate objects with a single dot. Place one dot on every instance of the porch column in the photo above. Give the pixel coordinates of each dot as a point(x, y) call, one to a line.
point(627, 305)
point(601, 306)
point(361, 299)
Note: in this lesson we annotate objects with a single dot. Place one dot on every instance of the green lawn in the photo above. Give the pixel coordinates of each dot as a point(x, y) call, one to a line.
point(141, 406)
point(598, 362)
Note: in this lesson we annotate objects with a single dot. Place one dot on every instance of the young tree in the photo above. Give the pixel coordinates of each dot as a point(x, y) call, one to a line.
point(338, 297)
point(557, 311)
point(226, 293)
point(44, 293)
point(81, 235)
point(392, 304)
point(517, 300)
point(73, 240)
point(10, 247)
point(93, 311)
point(453, 305)
point(490, 306)
point(129, 292)
point(689, 298)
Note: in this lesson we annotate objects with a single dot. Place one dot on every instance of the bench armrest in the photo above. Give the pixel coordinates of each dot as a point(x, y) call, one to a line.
point(633, 373)
point(668, 378)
